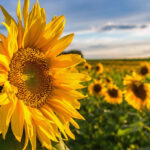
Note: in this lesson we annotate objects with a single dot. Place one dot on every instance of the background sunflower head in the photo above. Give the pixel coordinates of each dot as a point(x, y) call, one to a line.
point(136, 92)
point(113, 95)
point(87, 66)
point(99, 68)
point(144, 69)
point(108, 80)
point(96, 88)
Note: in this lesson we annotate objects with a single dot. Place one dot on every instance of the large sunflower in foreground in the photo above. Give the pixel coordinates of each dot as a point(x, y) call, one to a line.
point(137, 93)
point(96, 88)
point(113, 95)
point(39, 94)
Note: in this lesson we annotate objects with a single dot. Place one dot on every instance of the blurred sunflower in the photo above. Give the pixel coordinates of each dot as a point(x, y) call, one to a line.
point(99, 68)
point(137, 94)
point(87, 66)
point(96, 88)
point(113, 95)
point(39, 94)
point(108, 80)
point(144, 69)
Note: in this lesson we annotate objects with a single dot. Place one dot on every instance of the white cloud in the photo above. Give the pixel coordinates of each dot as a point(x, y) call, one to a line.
point(114, 44)
point(122, 51)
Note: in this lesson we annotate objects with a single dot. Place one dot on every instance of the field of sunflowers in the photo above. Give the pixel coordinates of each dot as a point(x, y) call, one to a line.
point(40, 88)
point(116, 106)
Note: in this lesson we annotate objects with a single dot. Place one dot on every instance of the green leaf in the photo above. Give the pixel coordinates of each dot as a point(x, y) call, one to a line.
point(60, 146)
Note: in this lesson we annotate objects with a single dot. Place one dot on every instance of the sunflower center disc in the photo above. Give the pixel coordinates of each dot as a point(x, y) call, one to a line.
point(86, 67)
point(113, 93)
point(29, 72)
point(139, 91)
point(97, 88)
point(108, 81)
point(97, 68)
point(144, 70)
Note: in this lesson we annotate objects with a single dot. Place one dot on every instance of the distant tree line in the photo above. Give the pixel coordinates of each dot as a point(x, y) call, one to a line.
point(74, 51)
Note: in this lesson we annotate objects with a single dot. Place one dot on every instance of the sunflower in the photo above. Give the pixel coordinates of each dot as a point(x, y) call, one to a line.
point(39, 94)
point(113, 95)
point(99, 68)
point(136, 92)
point(144, 69)
point(96, 88)
point(87, 66)
point(108, 80)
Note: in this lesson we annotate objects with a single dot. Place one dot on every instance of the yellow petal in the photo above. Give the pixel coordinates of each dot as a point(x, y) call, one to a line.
point(64, 96)
point(27, 118)
point(12, 38)
point(33, 138)
point(60, 46)
point(7, 17)
point(36, 114)
point(52, 27)
point(44, 140)
point(17, 121)
point(68, 131)
point(68, 60)
point(4, 45)
point(4, 61)
point(46, 128)
point(26, 138)
point(51, 34)
point(3, 78)
point(74, 123)
point(19, 11)
point(20, 27)
point(64, 108)
point(4, 99)
point(25, 11)
point(47, 111)
point(6, 112)
point(32, 34)
point(20, 34)
point(43, 14)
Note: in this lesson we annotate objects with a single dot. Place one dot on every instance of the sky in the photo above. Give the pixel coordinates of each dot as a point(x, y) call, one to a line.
point(103, 28)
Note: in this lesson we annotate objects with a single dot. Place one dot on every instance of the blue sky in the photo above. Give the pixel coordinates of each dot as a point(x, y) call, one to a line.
point(103, 28)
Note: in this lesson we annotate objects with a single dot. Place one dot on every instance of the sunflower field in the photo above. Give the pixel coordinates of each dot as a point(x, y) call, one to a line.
point(59, 101)
point(116, 106)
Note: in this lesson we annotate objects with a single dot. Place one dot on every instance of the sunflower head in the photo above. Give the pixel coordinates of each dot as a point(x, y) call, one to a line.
point(99, 68)
point(144, 69)
point(113, 95)
point(87, 66)
point(96, 88)
point(136, 92)
point(108, 80)
point(39, 93)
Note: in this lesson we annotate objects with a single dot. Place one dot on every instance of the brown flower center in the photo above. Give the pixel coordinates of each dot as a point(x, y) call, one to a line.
point(29, 72)
point(113, 92)
point(139, 91)
point(97, 88)
point(107, 80)
point(144, 70)
point(97, 68)
point(86, 67)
